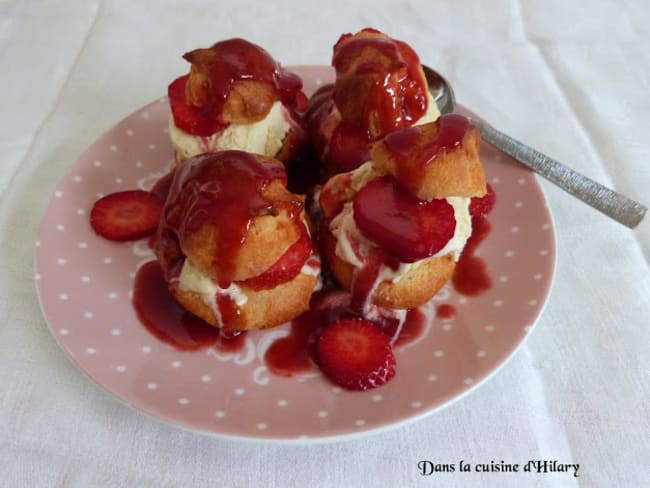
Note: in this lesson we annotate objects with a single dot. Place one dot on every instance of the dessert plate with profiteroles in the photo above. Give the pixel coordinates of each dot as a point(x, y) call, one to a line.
point(85, 286)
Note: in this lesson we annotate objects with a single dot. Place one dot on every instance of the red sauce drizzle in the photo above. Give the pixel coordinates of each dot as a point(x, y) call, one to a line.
point(363, 282)
point(223, 190)
point(411, 328)
point(225, 63)
point(294, 353)
point(162, 186)
point(397, 95)
point(228, 309)
point(165, 319)
point(413, 150)
point(230, 340)
point(445, 311)
point(471, 276)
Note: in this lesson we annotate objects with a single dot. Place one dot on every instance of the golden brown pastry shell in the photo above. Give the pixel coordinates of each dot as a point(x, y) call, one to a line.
point(457, 172)
point(415, 288)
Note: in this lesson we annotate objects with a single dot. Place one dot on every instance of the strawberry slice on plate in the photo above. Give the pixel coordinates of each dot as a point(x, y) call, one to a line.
point(404, 226)
point(355, 354)
point(126, 215)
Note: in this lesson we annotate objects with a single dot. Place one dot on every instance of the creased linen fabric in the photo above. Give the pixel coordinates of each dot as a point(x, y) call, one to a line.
point(570, 79)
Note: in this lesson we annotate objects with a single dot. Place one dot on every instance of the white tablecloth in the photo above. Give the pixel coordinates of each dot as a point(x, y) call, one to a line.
point(570, 78)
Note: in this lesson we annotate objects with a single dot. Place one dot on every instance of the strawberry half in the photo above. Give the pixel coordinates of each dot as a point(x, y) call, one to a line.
point(355, 354)
point(126, 215)
point(404, 226)
point(482, 205)
point(286, 268)
point(191, 119)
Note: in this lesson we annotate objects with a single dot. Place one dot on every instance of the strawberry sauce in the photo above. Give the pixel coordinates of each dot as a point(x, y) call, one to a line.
point(445, 311)
point(164, 318)
point(471, 276)
point(411, 328)
point(293, 354)
point(162, 186)
point(397, 95)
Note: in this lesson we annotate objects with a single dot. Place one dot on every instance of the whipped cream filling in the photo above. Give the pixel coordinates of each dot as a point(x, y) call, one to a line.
point(192, 279)
point(263, 137)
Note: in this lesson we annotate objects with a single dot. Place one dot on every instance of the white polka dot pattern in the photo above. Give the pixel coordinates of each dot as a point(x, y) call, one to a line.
point(89, 310)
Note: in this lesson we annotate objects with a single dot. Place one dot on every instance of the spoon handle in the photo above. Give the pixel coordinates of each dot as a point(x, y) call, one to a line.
point(619, 207)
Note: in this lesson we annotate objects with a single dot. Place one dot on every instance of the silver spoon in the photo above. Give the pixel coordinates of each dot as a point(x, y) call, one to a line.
point(619, 207)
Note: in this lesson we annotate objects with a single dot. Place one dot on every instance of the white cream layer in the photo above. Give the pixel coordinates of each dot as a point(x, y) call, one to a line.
point(193, 280)
point(263, 137)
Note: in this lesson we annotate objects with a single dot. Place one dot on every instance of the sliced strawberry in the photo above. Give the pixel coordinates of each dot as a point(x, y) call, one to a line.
point(404, 226)
point(348, 147)
point(482, 205)
point(286, 268)
point(191, 119)
point(126, 215)
point(355, 354)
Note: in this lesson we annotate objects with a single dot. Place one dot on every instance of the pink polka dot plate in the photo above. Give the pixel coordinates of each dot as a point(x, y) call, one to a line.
point(85, 285)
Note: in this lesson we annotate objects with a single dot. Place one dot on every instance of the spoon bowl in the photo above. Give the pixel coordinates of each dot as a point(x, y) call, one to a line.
point(619, 207)
point(441, 90)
